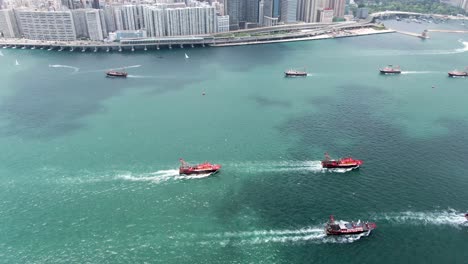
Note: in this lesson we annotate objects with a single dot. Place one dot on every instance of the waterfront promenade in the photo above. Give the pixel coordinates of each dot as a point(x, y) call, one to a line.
point(283, 33)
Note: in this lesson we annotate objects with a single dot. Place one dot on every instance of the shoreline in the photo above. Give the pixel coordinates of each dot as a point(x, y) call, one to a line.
point(302, 35)
point(320, 37)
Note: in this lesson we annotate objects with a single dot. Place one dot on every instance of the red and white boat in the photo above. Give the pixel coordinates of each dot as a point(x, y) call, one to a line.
point(203, 168)
point(112, 73)
point(343, 163)
point(390, 70)
point(333, 228)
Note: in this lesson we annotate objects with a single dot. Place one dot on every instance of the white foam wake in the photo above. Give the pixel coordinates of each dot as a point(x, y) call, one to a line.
point(140, 76)
point(418, 72)
point(449, 217)
point(314, 234)
point(278, 166)
point(75, 69)
point(159, 176)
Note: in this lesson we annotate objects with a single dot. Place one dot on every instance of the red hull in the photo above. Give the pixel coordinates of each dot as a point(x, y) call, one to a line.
point(344, 163)
point(333, 228)
point(204, 168)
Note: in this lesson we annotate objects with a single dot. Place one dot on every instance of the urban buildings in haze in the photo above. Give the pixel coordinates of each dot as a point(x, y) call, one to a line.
point(67, 20)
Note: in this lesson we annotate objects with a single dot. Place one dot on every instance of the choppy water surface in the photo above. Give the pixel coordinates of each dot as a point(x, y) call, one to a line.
point(89, 164)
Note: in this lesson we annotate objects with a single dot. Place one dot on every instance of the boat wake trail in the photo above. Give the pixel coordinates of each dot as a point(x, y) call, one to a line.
point(75, 69)
point(131, 66)
point(314, 234)
point(449, 217)
point(140, 76)
point(419, 72)
point(279, 166)
point(159, 176)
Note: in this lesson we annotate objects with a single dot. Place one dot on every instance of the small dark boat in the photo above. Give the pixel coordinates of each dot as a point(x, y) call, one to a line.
point(333, 228)
point(113, 73)
point(295, 73)
point(390, 70)
point(203, 168)
point(466, 216)
point(456, 73)
point(343, 163)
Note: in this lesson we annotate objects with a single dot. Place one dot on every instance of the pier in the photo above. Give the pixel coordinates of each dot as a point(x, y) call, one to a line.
point(448, 31)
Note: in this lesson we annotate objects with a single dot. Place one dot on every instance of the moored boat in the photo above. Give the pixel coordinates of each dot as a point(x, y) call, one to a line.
point(333, 228)
point(113, 73)
point(390, 70)
point(343, 163)
point(295, 73)
point(203, 168)
point(456, 73)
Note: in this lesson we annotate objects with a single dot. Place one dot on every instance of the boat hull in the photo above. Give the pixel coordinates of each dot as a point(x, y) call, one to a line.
point(197, 172)
point(389, 72)
point(295, 74)
point(451, 74)
point(347, 166)
point(117, 75)
point(343, 233)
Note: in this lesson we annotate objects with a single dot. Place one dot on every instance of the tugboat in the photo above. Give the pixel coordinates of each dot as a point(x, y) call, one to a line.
point(343, 163)
point(390, 70)
point(295, 73)
point(456, 73)
point(333, 228)
point(112, 73)
point(203, 168)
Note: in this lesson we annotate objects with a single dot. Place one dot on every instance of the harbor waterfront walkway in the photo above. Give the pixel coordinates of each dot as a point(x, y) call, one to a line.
point(284, 33)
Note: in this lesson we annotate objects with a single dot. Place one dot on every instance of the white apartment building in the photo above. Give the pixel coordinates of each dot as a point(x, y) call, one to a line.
point(8, 25)
point(94, 25)
point(154, 21)
point(46, 25)
point(222, 23)
point(190, 21)
point(326, 15)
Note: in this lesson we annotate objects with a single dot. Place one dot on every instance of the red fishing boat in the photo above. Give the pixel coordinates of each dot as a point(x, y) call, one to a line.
point(456, 73)
point(390, 70)
point(204, 168)
point(344, 163)
point(113, 73)
point(333, 228)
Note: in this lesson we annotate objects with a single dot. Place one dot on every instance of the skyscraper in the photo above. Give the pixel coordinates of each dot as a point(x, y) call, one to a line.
point(93, 22)
point(236, 12)
point(154, 21)
point(8, 25)
point(252, 11)
point(96, 4)
point(288, 11)
point(338, 7)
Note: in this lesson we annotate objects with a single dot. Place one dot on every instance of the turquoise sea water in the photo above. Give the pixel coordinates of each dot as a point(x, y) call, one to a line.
point(88, 169)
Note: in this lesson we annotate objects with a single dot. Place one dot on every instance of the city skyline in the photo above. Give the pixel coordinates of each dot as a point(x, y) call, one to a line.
point(105, 20)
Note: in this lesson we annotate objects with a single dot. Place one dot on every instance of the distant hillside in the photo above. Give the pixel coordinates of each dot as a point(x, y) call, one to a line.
point(419, 6)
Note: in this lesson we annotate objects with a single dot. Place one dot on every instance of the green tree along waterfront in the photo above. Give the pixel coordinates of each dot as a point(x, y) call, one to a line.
point(419, 6)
